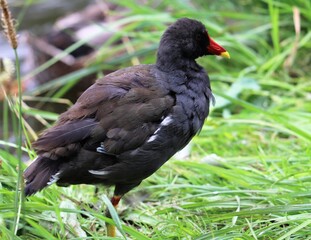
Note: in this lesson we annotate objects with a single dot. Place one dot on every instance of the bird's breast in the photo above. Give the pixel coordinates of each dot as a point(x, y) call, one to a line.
point(194, 102)
point(191, 91)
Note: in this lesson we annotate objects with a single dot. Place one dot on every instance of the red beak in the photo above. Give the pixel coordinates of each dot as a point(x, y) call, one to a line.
point(215, 49)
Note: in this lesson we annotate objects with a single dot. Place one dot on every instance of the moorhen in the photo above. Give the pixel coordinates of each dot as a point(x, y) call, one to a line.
point(128, 124)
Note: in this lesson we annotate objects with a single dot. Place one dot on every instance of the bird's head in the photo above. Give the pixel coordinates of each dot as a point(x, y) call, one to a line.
point(189, 39)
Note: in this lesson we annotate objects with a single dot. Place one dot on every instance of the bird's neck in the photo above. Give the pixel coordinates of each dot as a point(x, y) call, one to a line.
point(172, 61)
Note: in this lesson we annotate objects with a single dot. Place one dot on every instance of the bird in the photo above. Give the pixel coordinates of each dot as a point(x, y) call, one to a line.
point(126, 125)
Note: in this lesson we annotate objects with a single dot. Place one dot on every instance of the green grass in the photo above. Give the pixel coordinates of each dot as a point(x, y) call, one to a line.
point(248, 175)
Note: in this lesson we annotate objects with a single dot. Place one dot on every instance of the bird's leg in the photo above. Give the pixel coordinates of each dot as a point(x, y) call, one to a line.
point(111, 229)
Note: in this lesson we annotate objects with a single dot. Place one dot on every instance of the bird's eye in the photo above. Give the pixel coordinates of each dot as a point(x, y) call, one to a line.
point(198, 37)
point(201, 36)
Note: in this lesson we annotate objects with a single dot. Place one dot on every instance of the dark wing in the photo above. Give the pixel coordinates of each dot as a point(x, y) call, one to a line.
point(117, 113)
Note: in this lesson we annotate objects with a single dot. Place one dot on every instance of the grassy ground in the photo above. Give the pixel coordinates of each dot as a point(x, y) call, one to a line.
point(248, 173)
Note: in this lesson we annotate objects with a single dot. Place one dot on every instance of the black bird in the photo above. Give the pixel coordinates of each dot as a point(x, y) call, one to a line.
point(128, 124)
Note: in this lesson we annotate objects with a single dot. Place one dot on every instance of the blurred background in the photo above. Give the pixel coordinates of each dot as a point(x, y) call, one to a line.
point(246, 176)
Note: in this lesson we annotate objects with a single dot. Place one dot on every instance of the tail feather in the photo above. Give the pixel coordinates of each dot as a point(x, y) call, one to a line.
point(39, 173)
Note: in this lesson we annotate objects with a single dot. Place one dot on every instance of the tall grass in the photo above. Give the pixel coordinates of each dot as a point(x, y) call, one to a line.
point(9, 31)
point(248, 174)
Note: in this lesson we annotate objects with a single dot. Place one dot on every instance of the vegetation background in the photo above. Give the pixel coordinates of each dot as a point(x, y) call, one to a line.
point(246, 176)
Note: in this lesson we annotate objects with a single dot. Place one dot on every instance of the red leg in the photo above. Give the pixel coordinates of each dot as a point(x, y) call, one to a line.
point(115, 200)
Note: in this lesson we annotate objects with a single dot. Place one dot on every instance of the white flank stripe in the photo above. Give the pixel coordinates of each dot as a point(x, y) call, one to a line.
point(152, 138)
point(167, 121)
point(54, 178)
point(99, 172)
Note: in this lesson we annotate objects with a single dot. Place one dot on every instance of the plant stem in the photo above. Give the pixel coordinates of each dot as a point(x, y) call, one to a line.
point(19, 184)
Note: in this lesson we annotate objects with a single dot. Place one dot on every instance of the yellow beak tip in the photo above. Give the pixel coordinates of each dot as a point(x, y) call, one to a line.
point(225, 54)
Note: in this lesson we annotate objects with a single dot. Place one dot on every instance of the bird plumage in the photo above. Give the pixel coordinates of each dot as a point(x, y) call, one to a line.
point(129, 123)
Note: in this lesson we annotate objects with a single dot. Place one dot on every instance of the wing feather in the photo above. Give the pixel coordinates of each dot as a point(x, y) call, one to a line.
point(119, 112)
point(61, 135)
